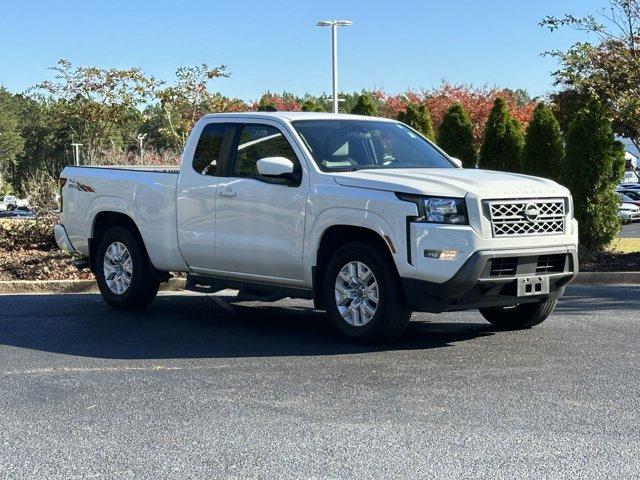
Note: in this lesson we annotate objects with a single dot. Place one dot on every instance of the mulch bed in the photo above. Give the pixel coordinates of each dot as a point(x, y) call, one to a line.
point(607, 261)
point(31, 264)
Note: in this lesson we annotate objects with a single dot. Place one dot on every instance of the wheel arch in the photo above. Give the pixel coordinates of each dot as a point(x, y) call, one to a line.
point(333, 238)
point(102, 222)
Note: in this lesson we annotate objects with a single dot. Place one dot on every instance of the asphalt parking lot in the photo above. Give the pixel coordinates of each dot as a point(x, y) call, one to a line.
point(630, 230)
point(192, 388)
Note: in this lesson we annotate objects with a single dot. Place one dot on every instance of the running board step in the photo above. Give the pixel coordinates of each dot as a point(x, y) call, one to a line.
point(247, 291)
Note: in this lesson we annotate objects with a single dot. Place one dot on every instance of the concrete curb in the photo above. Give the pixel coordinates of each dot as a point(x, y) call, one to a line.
point(70, 286)
point(175, 284)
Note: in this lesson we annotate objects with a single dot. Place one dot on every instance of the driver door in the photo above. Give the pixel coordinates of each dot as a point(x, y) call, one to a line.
point(260, 221)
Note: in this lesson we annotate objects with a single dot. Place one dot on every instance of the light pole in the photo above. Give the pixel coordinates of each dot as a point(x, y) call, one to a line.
point(334, 24)
point(76, 153)
point(141, 138)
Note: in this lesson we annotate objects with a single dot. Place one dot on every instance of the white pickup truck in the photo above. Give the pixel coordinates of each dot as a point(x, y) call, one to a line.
point(363, 215)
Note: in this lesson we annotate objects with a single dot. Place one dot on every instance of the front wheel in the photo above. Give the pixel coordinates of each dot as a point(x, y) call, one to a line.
point(519, 317)
point(363, 295)
point(123, 270)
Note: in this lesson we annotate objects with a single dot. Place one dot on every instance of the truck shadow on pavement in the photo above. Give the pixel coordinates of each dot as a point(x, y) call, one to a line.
point(178, 326)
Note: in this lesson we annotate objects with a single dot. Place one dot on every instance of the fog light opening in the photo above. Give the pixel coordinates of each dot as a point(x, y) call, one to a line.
point(441, 254)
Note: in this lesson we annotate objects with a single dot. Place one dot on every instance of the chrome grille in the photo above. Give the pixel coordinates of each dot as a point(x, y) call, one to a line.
point(526, 217)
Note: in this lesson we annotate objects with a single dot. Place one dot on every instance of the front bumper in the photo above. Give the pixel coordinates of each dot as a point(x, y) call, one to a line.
point(629, 216)
point(480, 283)
point(62, 239)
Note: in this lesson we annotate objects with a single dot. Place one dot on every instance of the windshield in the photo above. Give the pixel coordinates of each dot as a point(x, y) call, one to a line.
point(632, 195)
point(346, 145)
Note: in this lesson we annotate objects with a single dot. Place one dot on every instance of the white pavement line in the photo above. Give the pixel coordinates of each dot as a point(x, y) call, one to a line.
point(222, 304)
point(151, 368)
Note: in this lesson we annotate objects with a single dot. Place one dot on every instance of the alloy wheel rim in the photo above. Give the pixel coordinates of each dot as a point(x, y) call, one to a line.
point(357, 294)
point(117, 267)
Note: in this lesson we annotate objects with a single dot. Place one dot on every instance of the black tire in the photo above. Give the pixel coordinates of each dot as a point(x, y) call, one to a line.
point(392, 314)
point(519, 317)
point(143, 287)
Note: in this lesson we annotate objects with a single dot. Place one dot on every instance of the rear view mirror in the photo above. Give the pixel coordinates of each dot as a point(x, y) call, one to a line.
point(275, 167)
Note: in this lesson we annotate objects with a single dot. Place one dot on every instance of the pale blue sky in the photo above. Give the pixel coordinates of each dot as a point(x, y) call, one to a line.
point(275, 45)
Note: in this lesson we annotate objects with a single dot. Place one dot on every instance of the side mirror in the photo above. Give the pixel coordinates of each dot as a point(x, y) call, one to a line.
point(274, 167)
point(457, 162)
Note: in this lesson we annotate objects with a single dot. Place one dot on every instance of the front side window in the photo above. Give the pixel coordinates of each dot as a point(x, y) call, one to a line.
point(207, 156)
point(260, 141)
point(346, 145)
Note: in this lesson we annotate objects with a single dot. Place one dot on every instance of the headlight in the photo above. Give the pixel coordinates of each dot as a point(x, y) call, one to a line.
point(438, 209)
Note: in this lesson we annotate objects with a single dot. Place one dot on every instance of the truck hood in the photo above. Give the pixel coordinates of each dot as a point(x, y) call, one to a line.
point(453, 182)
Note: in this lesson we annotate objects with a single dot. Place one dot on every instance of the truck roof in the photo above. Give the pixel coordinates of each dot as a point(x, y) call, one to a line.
point(290, 116)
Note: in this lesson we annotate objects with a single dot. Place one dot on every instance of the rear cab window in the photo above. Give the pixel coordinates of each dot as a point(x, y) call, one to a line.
point(207, 157)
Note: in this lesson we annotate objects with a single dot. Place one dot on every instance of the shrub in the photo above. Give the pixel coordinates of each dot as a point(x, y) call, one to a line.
point(265, 106)
point(312, 106)
point(365, 106)
point(502, 145)
point(35, 234)
point(543, 147)
point(418, 118)
point(455, 135)
point(18, 234)
point(593, 166)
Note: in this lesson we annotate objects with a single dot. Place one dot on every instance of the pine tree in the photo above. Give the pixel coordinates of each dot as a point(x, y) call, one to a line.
point(418, 118)
point(455, 135)
point(502, 145)
point(544, 147)
point(365, 105)
point(592, 167)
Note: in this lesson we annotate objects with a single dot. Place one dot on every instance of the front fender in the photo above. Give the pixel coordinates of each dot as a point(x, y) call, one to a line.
point(344, 216)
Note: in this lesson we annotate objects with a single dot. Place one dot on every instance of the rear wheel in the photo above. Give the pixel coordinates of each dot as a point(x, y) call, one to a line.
point(363, 296)
point(519, 317)
point(123, 270)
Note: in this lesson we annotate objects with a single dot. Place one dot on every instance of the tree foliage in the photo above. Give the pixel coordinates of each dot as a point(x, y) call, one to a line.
point(455, 135)
point(565, 104)
point(187, 99)
point(478, 102)
point(11, 142)
point(281, 102)
point(503, 141)
point(593, 166)
point(97, 99)
point(365, 105)
point(544, 146)
point(608, 68)
point(418, 118)
point(313, 105)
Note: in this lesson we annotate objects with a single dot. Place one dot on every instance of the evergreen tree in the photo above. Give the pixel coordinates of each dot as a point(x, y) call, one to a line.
point(311, 105)
point(418, 118)
point(455, 135)
point(365, 106)
point(543, 147)
point(502, 145)
point(592, 167)
point(265, 106)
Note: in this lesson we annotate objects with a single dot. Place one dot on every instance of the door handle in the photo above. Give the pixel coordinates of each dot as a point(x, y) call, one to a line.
point(227, 192)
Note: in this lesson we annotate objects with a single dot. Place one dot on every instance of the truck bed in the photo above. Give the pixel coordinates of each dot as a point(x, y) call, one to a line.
point(147, 195)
